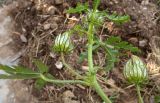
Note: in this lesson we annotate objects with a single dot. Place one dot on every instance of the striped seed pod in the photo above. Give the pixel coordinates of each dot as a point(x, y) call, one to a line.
point(62, 43)
point(135, 71)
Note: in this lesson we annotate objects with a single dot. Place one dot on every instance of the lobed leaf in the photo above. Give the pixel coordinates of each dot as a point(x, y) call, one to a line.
point(41, 66)
point(157, 99)
point(118, 19)
point(7, 69)
point(118, 44)
point(96, 4)
point(40, 83)
point(79, 8)
point(79, 29)
point(23, 70)
point(18, 76)
point(17, 72)
point(111, 58)
point(82, 56)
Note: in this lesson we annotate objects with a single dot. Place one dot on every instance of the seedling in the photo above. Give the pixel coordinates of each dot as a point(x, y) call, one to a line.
point(90, 23)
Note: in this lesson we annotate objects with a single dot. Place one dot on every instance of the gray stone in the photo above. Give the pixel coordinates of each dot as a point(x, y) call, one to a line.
point(47, 26)
point(58, 2)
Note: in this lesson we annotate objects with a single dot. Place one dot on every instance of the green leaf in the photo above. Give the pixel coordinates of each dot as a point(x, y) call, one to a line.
point(79, 8)
point(118, 19)
point(111, 58)
point(82, 56)
point(48, 75)
point(18, 76)
point(118, 44)
point(24, 70)
point(113, 46)
point(95, 17)
point(17, 72)
point(113, 39)
point(41, 66)
point(111, 54)
point(7, 69)
point(17, 69)
point(79, 29)
point(96, 4)
point(157, 99)
point(40, 83)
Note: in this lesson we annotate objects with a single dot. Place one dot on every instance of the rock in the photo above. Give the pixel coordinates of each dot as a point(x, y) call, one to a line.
point(52, 55)
point(45, 8)
point(85, 68)
point(48, 9)
point(68, 93)
point(56, 19)
point(133, 40)
point(155, 47)
point(23, 38)
point(59, 65)
point(58, 2)
point(46, 26)
point(54, 25)
point(145, 2)
point(51, 10)
point(68, 96)
point(143, 43)
point(65, 5)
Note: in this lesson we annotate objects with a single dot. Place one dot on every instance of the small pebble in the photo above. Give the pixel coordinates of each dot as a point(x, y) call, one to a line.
point(23, 38)
point(54, 25)
point(145, 2)
point(85, 68)
point(67, 97)
point(68, 93)
point(47, 26)
point(59, 65)
point(58, 2)
point(56, 19)
point(52, 55)
point(51, 10)
point(143, 43)
point(133, 40)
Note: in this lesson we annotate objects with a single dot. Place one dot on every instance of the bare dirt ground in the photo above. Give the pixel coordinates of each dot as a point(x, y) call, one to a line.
point(38, 22)
point(10, 91)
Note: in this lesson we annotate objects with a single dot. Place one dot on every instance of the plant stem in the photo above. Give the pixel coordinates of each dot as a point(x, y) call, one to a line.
point(70, 68)
point(62, 81)
point(140, 99)
point(100, 91)
point(90, 44)
point(92, 71)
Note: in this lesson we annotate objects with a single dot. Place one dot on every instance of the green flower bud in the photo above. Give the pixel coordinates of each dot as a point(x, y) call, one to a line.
point(96, 18)
point(63, 43)
point(135, 70)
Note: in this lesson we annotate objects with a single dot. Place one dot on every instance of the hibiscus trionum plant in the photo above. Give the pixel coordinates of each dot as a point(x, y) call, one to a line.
point(90, 22)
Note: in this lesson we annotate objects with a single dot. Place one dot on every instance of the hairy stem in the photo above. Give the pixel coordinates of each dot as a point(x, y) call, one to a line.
point(100, 91)
point(90, 44)
point(73, 72)
point(92, 71)
point(63, 81)
point(140, 99)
